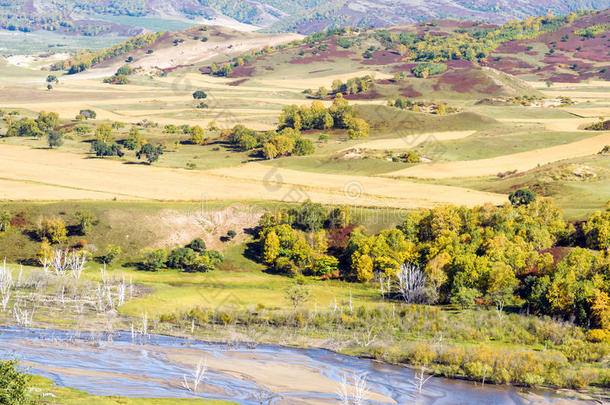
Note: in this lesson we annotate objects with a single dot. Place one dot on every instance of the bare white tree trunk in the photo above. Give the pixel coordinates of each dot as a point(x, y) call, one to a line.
point(198, 376)
point(353, 391)
point(421, 379)
point(411, 283)
point(6, 283)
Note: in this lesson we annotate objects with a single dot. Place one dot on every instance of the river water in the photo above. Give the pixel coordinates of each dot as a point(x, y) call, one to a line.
point(156, 366)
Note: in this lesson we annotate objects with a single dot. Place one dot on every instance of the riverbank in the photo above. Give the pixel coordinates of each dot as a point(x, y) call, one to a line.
point(154, 365)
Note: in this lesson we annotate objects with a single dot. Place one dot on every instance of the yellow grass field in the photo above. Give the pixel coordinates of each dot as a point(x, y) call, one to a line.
point(38, 174)
point(411, 141)
point(518, 161)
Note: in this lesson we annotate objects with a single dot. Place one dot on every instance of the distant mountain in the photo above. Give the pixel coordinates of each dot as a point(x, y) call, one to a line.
point(85, 17)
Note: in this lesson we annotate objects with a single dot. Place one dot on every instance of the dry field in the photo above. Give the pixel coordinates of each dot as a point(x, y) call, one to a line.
point(411, 141)
point(519, 161)
point(38, 174)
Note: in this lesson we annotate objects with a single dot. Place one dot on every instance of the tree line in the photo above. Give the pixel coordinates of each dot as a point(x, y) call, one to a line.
point(522, 255)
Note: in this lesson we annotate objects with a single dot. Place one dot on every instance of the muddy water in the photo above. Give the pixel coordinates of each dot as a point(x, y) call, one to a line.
point(244, 374)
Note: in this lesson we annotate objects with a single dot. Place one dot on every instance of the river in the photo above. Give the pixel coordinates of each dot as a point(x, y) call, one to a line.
point(155, 366)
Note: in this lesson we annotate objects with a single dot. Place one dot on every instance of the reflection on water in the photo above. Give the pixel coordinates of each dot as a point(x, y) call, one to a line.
point(117, 366)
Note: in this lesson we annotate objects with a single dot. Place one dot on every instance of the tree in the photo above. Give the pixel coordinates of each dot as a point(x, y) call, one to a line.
point(269, 151)
point(271, 247)
point(358, 128)
point(5, 221)
point(364, 268)
point(112, 252)
point(181, 258)
point(103, 133)
point(198, 245)
point(53, 229)
point(199, 94)
point(150, 152)
point(154, 259)
point(84, 221)
point(13, 385)
point(197, 135)
point(521, 197)
point(88, 114)
point(52, 78)
point(102, 149)
point(231, 233)
point(597, 230)
point(297, 295)
point(303, 146)
point(55, 139)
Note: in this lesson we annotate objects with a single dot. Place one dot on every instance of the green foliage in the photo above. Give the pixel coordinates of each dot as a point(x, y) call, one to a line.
point(150, 152)
point(197, 245)
point(154, 259)
point(199, 94)
point(5, 221)
point(125, 70)
point(55, 138)
point(45, 123)
point(14, 386)
point(427, 69)
point(116, 79)
point(83, 60)
point(112, 252)
point(592, 31)
point(521, 197)
point(52, 229)
point(88, 114)
point(102, 149)
point(84, 221)
point(597, 231)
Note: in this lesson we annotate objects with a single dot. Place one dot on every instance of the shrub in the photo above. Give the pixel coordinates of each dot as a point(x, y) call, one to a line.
point(197, 245)
point(84, 221)
point(426, 69)
point(52, 229)
point(199, 94)
point(112, 252)
point(154, 259)
point(13, 385)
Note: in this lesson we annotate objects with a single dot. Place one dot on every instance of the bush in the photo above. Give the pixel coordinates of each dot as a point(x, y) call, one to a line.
point(426, 69)
point(154, 260)
point(112, 252)
point(13, 385)
point(84, 221)
point(181, 258)
point(199, 94)
point(197, 245)
point(52, 229)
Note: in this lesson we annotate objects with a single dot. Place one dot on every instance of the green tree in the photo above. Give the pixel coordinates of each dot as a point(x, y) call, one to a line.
point(197, 135)
point(53, 229)
point(154, 259)
point(14, 388)
point(103, 133)
point(198, 245)
point(150, 152)
point(199, 94)
point(55, 139)
point(521, 197)
point(5, 221)
point(84, 221)
point(112, 252)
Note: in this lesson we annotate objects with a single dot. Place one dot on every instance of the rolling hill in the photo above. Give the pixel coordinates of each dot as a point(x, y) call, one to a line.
point(113, 17)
